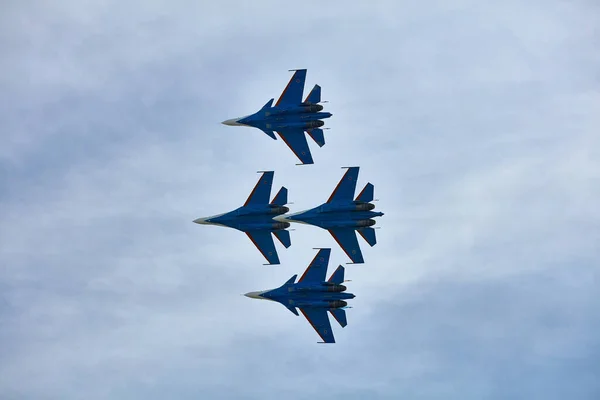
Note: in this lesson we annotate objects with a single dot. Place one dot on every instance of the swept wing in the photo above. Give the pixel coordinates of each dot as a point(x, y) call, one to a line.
point(292, 94)
point(296, 141)
point(264, 243)
point(346, 238)
point(317, 269)
point(262, 191)
point(344, 191)
point(319, 320)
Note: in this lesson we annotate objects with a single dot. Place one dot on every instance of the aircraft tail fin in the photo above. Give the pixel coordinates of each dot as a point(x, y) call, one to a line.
point(367, 194)
point(338, 276)
point(284, 237)
point(368, 234)
point(268, 105)
point(317, 135)
point(281, 198)
point(314, 96)
point(340, 316)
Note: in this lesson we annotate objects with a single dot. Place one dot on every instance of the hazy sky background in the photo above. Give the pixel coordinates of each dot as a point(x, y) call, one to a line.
point(477, 122)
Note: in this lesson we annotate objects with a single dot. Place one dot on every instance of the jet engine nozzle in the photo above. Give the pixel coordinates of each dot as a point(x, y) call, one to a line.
point(366, 222)
point(279, 210)
point(336, 288)
point(315, 124)
point(313, 108)
point(281, 225)
point(365, 207)
point(337, 304)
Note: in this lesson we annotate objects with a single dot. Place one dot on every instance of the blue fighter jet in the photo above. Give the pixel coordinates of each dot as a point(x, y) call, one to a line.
point(255, 218)
point(290, 117)
point(313, 295)
point(341, 215)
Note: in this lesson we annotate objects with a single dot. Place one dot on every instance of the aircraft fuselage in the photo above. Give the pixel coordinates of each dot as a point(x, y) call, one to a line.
point(274, 121)
point(308, 296)
point(245, 219)
point(328, 216)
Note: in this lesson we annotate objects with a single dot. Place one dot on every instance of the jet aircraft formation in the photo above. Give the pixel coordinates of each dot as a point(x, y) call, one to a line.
point(342, 214)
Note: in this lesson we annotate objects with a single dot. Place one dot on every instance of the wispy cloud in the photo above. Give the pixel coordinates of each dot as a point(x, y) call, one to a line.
point(476, 123)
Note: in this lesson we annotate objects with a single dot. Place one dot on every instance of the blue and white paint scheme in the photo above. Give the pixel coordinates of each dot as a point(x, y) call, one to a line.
point(255, 218)
point(314, 295)
point(290, 117)
point(341, 215)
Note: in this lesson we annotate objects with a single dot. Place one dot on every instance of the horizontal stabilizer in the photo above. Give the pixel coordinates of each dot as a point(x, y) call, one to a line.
point(369, 235)
point(367, 194)
point(268, 105)
point(314, 96)
point(317, 135)
point(270, 133)
point(284, 237)
point(340, 316)
point(338, 276)
point(281, 198)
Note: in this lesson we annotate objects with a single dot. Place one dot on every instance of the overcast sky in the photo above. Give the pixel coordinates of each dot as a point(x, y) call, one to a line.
point(477, 122)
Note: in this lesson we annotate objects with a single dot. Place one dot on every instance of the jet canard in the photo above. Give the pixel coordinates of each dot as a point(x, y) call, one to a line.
point(314, 295)
point(290, 117)
point(255, 218)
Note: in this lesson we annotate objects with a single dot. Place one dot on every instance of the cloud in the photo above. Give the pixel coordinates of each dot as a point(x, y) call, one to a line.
point(476, 123)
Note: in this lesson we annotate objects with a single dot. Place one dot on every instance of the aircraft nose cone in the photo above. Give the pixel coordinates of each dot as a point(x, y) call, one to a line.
point(254, 295)
point(281, 218)
point(232, 122)
point(202, 221)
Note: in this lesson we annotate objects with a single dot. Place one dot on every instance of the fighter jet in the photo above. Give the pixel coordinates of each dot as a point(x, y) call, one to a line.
point(255, 218)
point(341, 215)
point(313, 295)
point(290, 117)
